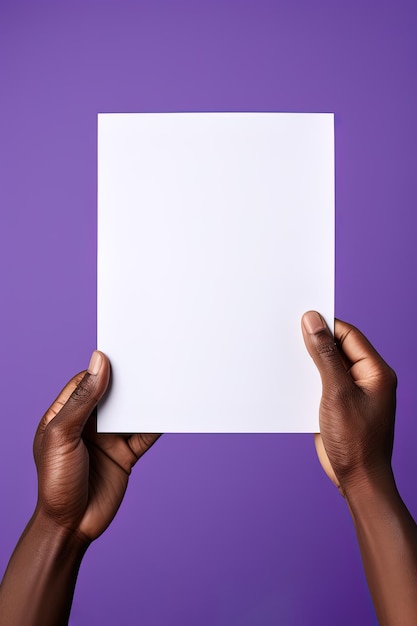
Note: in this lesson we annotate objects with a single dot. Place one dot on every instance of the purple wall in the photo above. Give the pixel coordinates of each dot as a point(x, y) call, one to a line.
point(215, 530)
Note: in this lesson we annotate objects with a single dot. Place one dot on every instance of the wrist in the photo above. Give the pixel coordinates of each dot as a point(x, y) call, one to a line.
point(39, 581)
point(369, 492)
point(57, 536)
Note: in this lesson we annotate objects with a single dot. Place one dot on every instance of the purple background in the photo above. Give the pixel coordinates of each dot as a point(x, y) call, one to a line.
point(215, 530)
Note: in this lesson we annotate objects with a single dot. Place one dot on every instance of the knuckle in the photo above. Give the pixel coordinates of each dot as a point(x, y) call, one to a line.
point(327, 348)
point(388, 377)
point(141, 442)
point(148, 439)
point(54, 433)
point(83, 393)
point(392, 376)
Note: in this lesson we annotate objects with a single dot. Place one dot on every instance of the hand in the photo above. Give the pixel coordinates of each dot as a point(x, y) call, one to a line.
point(357, 407)
point(83, 475)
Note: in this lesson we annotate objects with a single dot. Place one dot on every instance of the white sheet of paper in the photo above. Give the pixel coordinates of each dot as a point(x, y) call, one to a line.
point(215, 234)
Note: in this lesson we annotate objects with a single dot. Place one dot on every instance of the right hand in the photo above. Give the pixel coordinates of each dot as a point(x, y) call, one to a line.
point(357, 409)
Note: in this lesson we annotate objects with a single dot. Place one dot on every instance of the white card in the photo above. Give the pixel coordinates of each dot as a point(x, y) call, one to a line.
point(215, 234)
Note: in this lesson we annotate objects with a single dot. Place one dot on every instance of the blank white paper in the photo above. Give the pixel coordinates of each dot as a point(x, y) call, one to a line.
point(215, 235)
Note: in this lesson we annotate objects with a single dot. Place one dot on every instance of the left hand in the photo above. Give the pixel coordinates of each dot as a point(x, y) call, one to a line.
point(357, 409)
point(82, 474)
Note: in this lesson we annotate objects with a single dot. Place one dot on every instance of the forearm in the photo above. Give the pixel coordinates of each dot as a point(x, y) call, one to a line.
point(39, 582)
point(387, 536)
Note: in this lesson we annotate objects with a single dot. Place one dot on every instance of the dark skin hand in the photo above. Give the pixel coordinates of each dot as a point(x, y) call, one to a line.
point(82, 478)
point(357, 414)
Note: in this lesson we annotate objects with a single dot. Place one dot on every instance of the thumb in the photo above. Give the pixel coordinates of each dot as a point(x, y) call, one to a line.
point(323, 350)
point(78, 399)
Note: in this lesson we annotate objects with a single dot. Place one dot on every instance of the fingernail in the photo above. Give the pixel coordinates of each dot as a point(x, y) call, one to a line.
point(95, 363)
point(313, 322)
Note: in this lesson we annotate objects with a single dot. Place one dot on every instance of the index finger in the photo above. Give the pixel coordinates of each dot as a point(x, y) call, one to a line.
point(366, 362)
